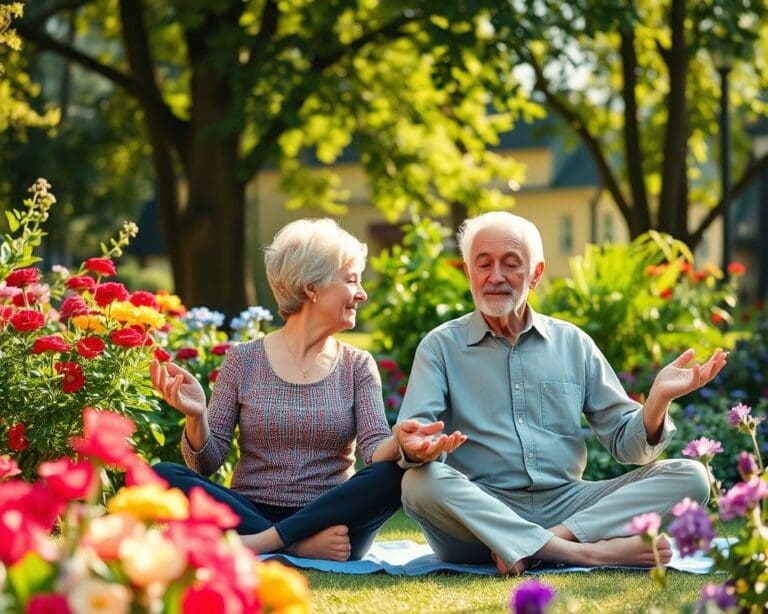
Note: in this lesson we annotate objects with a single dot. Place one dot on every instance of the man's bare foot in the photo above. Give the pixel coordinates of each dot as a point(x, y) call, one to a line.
point(331, 544)
point(631, 551)
point(516, 570)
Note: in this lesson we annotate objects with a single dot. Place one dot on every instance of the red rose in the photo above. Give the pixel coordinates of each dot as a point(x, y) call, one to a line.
point(74, 379)
point(142, 298)
point(22, 299)
point(17, 438)
point(5, 313)
point(213, 375)
point(90, 347)
point(81, 283)
point(129, 337)
point(186, 354)
point(101, 266)
point(22, 277)
point(26, 320)
point(109, 292)
point(161, 355)
point(220, 349)
point(73, 306)
point(50, 343)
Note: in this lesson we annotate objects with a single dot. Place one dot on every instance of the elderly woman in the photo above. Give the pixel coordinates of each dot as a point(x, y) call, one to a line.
point(302, 401)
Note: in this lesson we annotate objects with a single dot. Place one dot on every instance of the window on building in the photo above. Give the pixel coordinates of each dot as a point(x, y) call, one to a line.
point(608, 228)
point(565, 234)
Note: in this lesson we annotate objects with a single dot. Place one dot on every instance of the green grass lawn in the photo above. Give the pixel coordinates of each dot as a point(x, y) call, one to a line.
point(597, 591)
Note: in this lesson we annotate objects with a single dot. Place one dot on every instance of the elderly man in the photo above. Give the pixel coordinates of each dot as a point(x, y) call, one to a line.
point(511, 385)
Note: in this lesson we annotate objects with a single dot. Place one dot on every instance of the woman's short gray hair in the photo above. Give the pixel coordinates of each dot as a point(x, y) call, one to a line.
point(517, 226)
point(308, 253)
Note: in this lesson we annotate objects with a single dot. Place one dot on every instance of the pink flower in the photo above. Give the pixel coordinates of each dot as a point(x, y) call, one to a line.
point(691, 528)
point(747, 466)
point(531, 597)
point(645, 524)
point(47, 603)
point(109, 292)
point(50, 343)
point(105, 438)
point(69, 479)
point(73, 306)
point(204, 508)
point(703, 449)
point(739, 415)
point(8, 467)
point(27, 515)
point(106, 533)
point(742, 497)
point(101, 266)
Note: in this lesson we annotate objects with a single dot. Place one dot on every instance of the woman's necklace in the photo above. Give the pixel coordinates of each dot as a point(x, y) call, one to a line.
point(304, 372)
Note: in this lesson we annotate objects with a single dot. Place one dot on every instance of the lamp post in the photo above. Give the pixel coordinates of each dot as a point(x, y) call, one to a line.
point(724, 68)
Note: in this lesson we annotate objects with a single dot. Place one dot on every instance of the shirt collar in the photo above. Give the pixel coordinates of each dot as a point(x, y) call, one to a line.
point(478, 327)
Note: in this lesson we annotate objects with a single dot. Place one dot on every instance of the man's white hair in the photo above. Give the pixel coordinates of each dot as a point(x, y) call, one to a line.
point(517, 226)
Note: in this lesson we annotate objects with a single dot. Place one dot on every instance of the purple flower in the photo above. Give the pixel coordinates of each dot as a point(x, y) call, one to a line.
point(747, 466)
point(703, 449)
point(739, 415)
point(645, 524)
point(691, 528)
point(742, 497)
point(531, 597)
point(721, 596)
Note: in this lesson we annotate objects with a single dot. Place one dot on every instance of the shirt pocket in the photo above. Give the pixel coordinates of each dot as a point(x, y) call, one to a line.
point(561, 407)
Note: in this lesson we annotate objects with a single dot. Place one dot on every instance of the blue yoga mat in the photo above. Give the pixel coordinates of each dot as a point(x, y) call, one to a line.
point(408, 558)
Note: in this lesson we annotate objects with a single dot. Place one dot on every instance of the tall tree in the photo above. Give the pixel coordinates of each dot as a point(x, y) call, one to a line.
point(636, 82)
point(225, 87)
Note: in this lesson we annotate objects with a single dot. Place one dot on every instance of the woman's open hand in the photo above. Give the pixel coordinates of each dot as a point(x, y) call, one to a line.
point(179, 388)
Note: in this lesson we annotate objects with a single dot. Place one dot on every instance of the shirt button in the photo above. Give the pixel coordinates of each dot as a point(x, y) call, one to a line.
point(517, 386)
point(520, 420)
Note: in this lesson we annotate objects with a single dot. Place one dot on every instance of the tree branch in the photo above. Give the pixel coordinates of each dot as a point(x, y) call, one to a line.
point(38, 19)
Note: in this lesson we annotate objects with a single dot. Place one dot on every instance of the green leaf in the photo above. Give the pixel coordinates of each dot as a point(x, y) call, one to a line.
point(13, 223)
point(30, 575)
point(157, 433)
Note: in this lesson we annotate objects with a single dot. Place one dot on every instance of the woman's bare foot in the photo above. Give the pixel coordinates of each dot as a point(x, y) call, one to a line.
point(331, 544)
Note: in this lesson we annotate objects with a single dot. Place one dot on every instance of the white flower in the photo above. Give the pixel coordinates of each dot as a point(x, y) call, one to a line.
point(93, 596)
point(151, 558)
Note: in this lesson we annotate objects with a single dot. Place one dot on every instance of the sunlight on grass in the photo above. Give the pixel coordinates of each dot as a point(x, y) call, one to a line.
point(598, 591)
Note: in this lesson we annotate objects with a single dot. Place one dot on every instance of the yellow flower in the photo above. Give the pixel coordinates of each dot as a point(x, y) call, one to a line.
point(92, 596)
point(146, 316)
point(282, 589)
point(122, 311)
point(150, 502)
point(168, 302)
point(89, 323)
point(151, 558)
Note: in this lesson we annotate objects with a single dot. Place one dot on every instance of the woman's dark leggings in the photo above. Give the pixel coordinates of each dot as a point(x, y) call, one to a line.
point(363, 503)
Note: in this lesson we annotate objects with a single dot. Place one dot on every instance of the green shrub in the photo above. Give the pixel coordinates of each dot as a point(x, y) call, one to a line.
point(420, 285)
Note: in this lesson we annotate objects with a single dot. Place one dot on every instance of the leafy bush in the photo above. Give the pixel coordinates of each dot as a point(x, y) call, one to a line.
point(419, 286)
point(642, 300)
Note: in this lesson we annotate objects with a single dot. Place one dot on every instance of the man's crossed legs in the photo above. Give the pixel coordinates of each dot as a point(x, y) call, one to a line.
point(582, 523)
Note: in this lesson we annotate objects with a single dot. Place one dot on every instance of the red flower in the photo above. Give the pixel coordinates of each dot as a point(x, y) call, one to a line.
point(109, 292)
point(666, 294)
point(81, 283)
point(50, 343)
point(220, 349)
point(105, 438)
point(101, 266)
point(73, 306)
point(161, 355)
point(716, 318)
point(130, 337)
point(90, 347)
point(213, 375)
point(69, 479)
point(22, 277)
point(736, 268)
point(17, 438)
point(48, 603)
point(6, 313)
point(386, 363)
point(74, 379)
point(27, 320)
point(142, 298)
point(186, 354)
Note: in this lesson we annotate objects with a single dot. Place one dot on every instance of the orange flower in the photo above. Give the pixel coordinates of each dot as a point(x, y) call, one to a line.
point(282, 589)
